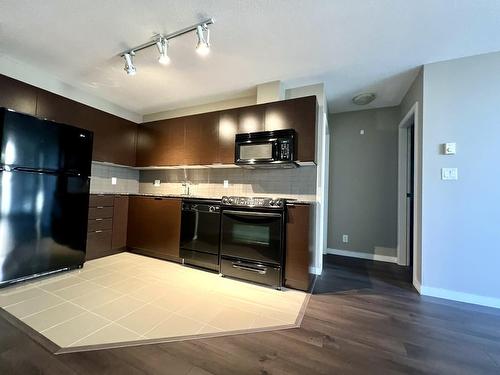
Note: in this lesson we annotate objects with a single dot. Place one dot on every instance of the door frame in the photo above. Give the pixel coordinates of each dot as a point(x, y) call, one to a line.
point(411, 118)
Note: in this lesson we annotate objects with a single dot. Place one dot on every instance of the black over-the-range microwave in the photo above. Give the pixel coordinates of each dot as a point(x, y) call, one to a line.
point(266, 149)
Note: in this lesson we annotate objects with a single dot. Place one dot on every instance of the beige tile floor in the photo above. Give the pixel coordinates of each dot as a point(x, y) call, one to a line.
point(128, 299)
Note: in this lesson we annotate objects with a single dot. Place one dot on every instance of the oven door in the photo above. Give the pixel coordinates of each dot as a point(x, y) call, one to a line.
point(256, 152)
point(252, 235)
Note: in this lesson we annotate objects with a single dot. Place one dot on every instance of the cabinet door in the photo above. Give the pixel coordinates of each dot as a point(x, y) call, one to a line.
point(201, 139)
point(251, 118)
point(299, 114)
point(17, 95)
point(154, 226)
point(228, 127)
point(297, 247)
point(120, 220)
point(161, 143)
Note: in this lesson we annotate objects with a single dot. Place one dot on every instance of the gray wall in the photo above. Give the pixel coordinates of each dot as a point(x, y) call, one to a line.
point(461, 219)
point(363, 181)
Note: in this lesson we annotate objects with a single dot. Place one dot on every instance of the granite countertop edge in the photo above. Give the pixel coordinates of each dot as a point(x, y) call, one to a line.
point(291, 200)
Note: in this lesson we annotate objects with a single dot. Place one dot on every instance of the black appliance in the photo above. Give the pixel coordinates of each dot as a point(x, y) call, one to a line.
point(200, 233)
point(252, 239)
point(269, 149)
point(44, 195)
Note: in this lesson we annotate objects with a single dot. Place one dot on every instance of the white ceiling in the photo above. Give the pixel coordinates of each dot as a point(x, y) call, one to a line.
point(351, 46)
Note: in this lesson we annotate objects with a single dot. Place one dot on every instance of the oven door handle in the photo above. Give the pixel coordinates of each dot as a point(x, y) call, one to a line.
point(252, 214)
point(251, 269)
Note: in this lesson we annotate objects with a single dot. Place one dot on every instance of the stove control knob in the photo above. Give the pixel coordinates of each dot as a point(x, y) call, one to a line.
point(271, 202)
point(278, 203)
point(224, 200)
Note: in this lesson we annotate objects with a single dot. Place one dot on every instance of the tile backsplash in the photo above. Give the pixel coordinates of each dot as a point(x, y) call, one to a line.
point(299, 183)
point(127, 179)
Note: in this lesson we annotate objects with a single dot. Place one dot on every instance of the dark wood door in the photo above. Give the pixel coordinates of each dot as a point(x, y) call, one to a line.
point(17, 95)
point(154, 226)
point(299, 114)
point(120, 220)
point(201, 139)
point(298, 256)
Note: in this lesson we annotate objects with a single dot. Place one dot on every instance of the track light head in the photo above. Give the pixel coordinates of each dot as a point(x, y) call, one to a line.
point(129, 63)
point(162, 45)
point(203, 45)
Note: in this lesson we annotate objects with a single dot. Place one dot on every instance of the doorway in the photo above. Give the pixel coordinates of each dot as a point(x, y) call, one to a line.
point(409, 195)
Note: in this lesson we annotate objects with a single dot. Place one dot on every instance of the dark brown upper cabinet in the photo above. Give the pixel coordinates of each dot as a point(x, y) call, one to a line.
point(208, 138)
point(201, 144)
point(299, 114)
point(228, 128)
point(114, 137)
point(17, 95)
point(161, 143)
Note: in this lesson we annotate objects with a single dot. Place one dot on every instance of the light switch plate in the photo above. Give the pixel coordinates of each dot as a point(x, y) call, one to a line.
point(449, 173)
point(226, 184)
point(362, 132)
point(113, 180)
point(450, 148)
point(157, 183)
point(345, 238)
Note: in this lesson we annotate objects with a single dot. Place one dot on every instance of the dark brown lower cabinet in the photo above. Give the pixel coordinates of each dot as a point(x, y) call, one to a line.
point(154, 226)
point(298, 254)
point(107, 225)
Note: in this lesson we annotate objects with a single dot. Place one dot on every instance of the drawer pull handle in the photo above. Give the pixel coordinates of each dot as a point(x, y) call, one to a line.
point(244, 268)
point(98, 219)
point(99, 207)
point(98, 231)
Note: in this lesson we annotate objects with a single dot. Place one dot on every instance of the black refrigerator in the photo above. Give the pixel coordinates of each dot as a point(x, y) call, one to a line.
point(44, 194)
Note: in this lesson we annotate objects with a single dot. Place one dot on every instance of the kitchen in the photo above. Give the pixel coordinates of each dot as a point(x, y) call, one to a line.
point(164, 200)
point(237, 186)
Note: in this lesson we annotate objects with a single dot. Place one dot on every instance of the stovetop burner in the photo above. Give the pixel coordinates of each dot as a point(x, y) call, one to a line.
point(263, 202)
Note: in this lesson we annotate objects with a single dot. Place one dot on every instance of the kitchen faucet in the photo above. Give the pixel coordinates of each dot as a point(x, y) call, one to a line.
point(186, 184)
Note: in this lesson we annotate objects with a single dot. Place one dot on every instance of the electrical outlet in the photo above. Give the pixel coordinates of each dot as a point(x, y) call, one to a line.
point(157, 183)
point(362, 132)
point(449, 173)
point(113, 180)
point(345, 238)
point(226, 184)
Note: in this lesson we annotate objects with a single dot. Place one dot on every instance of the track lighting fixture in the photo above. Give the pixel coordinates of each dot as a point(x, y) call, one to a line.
point(161, 42)
point(129, 63)
point(162, 45)
point(203, 45)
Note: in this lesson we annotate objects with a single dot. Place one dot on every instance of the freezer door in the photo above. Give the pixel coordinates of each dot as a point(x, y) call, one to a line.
point(30, 143)
point(43, 223)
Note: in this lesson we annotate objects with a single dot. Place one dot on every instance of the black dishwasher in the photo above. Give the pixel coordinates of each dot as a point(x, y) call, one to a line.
point(200, 233)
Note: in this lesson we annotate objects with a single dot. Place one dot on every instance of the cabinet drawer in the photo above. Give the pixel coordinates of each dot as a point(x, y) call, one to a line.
point(98, 243)
point(100, 224)
point(101, 200)
point(100, 212)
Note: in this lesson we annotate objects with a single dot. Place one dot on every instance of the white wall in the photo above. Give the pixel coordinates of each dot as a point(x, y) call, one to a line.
point(461, 219)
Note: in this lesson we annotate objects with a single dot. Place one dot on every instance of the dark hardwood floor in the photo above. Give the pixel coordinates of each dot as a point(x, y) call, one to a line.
point(364, 318)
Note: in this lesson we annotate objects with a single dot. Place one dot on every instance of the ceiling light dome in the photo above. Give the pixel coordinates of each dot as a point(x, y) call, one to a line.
point(364, 98)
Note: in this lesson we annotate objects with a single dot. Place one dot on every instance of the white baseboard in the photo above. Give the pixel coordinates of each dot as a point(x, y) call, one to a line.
point(459, 296)
point(362, 255)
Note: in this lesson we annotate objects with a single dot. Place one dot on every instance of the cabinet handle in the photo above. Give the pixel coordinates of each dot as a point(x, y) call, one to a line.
point(98, 231)
point(99, 207)
point(98, 219)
